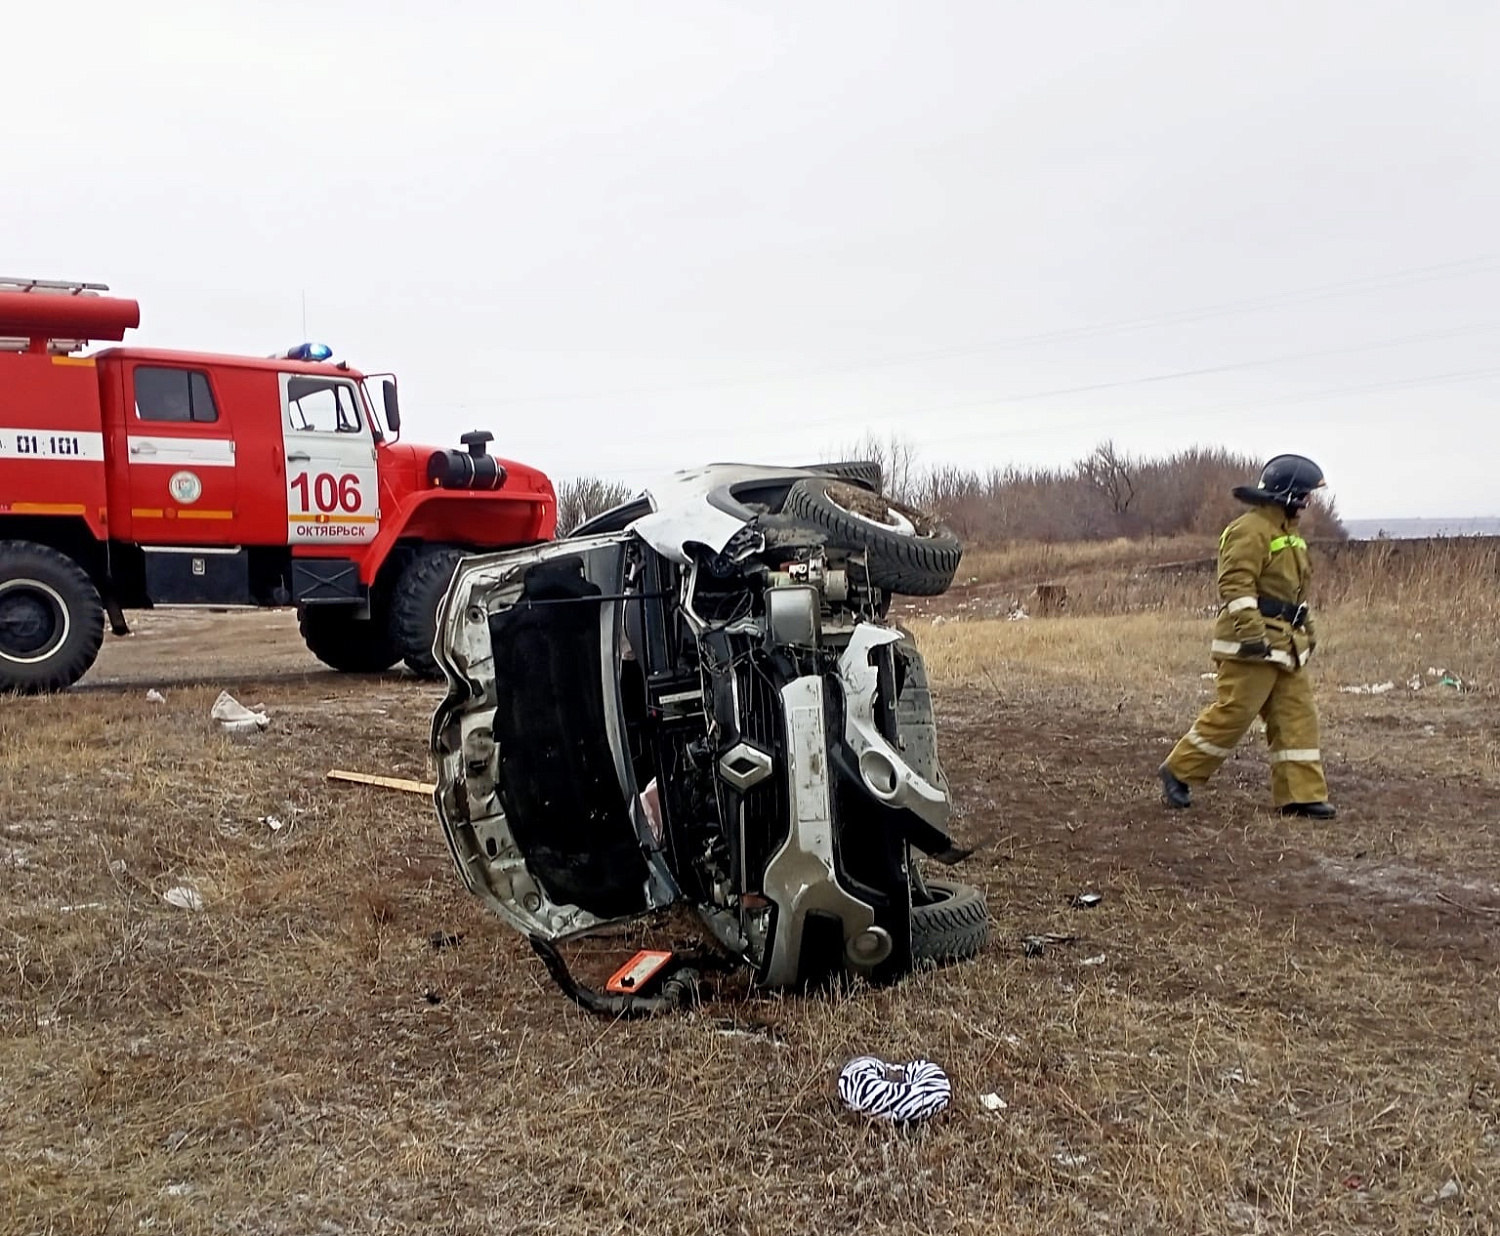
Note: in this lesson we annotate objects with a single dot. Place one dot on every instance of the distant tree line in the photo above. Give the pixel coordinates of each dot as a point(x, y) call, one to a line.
point(1105, 495)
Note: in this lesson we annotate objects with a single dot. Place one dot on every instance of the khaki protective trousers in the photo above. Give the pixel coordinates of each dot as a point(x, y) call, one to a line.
point(1248, 689)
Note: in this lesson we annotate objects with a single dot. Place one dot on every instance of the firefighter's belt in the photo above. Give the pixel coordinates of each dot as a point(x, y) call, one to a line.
point(1286, 611)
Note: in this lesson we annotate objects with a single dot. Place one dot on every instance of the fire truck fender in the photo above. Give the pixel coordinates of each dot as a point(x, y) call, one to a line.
point(472, 520)
point(72, 535)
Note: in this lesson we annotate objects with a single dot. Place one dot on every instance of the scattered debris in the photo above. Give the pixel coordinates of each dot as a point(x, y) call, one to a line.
point(1086, 901)
point(1066, 1158)
point(992, 1103)
point(1446, 1194)
point(916, 1090)
point(1379, 688)
point(178, 1189)
point(1210, 677)
point(234, 718)
point(273, 822)
point(386, 783)
point(1018, 615)
point(117, 867)
point(760, 1034)
point(1236, 1076)
point(1096, 960)
point(1035, 946)
point(442, 939)
point(154, 696)
point(1414, 683)
point(183, 897)
point(1354, 1181)
point(82, 905)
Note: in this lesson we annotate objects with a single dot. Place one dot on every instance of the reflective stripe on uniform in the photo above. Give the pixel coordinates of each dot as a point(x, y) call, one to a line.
point(1196, 739)
point(1231, 648)
point(1292, 539)
point(1297, 755)
point(1240, 603)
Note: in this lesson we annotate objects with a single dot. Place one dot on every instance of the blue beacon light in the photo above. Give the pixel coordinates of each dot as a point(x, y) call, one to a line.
point(309, 352)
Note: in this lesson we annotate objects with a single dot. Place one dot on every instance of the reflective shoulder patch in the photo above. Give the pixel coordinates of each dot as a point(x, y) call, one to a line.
point(1291, 539)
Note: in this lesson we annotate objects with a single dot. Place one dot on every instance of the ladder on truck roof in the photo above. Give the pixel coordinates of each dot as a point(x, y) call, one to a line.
point(53, 287)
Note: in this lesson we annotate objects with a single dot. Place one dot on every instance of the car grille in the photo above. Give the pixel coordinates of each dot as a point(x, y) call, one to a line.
point(761, 723)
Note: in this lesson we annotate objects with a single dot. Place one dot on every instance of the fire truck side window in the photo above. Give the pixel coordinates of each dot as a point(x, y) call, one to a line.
point(179, 395)
point(322, 406)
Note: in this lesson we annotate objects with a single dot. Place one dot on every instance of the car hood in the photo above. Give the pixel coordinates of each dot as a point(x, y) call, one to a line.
point(536, 792)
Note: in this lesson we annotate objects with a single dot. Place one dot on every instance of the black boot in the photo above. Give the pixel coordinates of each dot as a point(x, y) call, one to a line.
point(1174, 793)
point(1312, 811)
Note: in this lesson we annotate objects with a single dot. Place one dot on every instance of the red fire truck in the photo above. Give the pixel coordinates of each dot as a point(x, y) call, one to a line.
point(135, 477)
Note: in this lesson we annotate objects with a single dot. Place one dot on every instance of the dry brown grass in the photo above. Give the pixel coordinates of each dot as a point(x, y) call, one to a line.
point(1028, 563)
point(1291, 1030)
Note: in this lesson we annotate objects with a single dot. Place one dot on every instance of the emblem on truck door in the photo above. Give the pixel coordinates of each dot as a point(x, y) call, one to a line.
point(185, 487)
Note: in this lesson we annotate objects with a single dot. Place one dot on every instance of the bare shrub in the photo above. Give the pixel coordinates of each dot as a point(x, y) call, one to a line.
point(897, 459)
point(582, 497)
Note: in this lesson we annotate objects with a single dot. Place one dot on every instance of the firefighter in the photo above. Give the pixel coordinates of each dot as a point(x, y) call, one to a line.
point(1261, 644)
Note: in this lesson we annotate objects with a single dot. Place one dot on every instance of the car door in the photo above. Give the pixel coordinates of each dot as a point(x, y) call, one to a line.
point(331, 476)
point(180, 452)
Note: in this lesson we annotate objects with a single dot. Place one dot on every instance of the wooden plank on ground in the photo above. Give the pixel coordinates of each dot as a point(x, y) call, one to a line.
point(385, 783)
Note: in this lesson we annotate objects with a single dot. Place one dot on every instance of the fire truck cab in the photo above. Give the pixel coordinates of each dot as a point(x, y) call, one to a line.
point(134, 478)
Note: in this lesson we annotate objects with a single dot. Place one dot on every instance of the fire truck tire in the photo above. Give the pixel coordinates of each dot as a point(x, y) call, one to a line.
point(348, 644)
point(414, 607)
point(51, 619)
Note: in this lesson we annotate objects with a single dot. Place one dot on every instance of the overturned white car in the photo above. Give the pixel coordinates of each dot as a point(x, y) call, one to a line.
point(695, 698)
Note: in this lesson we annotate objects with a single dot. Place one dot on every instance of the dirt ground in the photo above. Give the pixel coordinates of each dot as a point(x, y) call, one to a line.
point(1263, 1027)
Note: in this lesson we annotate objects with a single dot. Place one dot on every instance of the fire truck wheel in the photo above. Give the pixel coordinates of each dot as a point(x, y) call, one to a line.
point(414, 607)
point(51, 619)
point(351, 645)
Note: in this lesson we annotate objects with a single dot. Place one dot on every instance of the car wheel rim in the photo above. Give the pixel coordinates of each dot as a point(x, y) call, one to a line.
point(872, 509)
point(34, 621)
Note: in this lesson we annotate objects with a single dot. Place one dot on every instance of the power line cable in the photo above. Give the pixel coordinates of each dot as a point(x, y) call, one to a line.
point(1052, 426)
point(1461, 268)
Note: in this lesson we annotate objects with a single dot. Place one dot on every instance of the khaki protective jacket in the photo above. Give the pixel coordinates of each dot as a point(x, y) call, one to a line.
point(1262, 554)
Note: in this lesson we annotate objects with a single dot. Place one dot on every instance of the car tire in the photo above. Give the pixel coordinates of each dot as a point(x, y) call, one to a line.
point(51, 619)
point(953, 926)
point(419, 589)
point(345, 642)
point(906, 550)
point(864, 472)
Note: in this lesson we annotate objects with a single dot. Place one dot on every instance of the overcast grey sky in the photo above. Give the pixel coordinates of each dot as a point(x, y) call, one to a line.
point(629, 237)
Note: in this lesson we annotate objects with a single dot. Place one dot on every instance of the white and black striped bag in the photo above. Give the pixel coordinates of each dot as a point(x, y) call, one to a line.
point(915, 1090)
